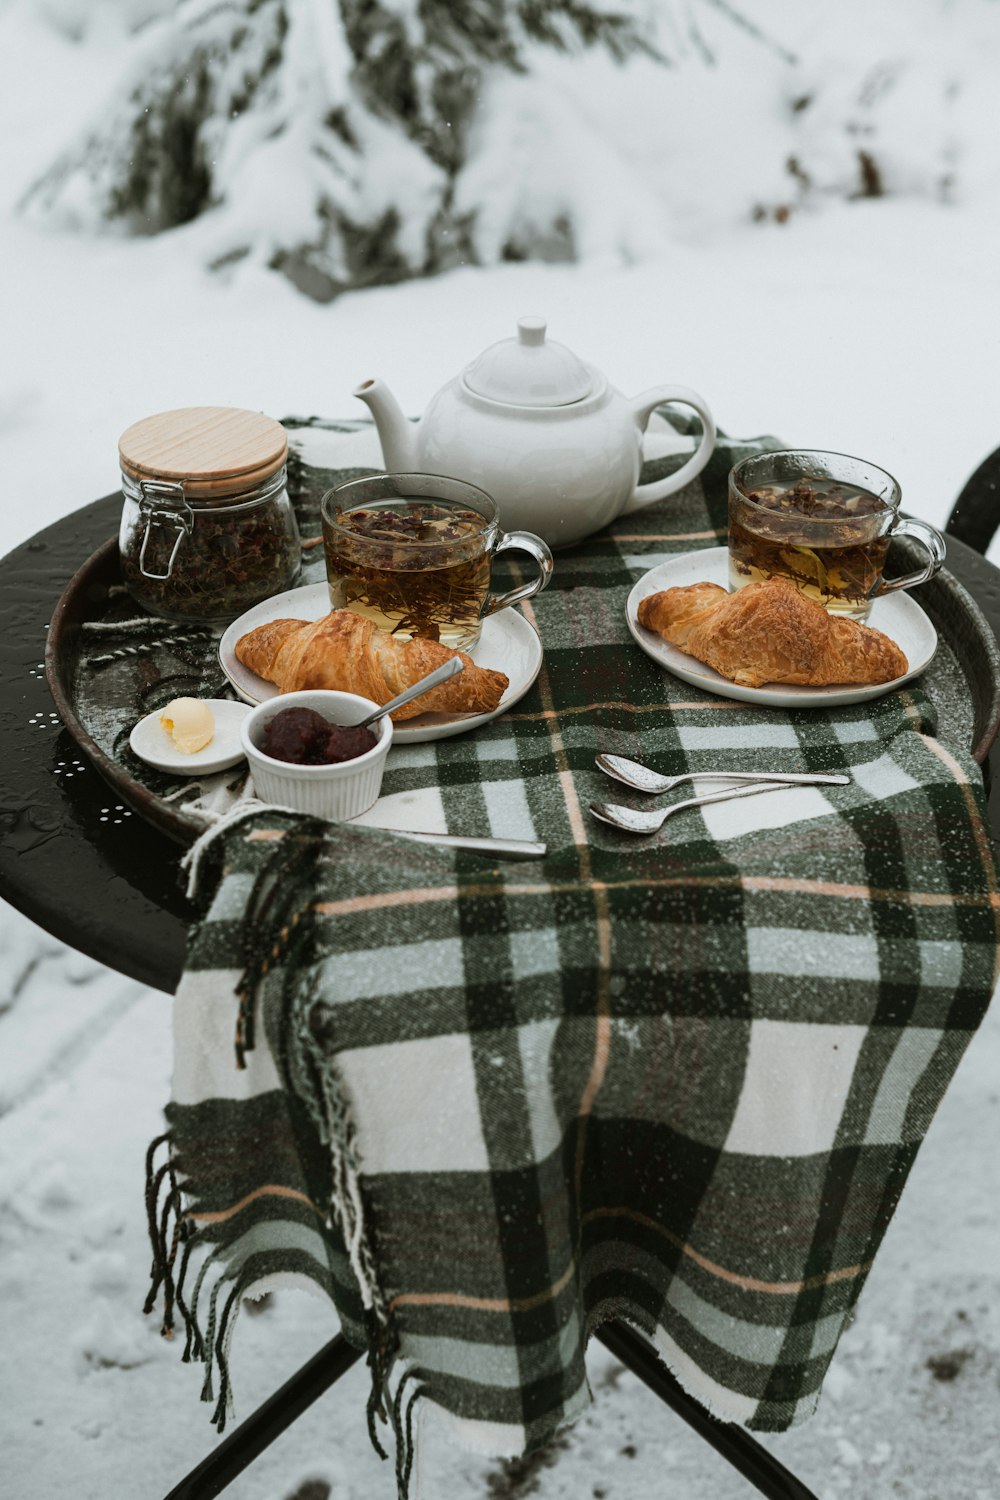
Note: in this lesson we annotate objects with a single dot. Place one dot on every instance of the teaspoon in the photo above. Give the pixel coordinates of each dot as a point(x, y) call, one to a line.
point(642, 779)
point(424, 685)
point(630, 821)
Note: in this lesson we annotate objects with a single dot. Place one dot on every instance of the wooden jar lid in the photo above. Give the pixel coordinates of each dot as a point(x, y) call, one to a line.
point(216, 450)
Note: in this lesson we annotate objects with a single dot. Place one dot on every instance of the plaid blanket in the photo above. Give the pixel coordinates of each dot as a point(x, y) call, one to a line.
point(679, 1081)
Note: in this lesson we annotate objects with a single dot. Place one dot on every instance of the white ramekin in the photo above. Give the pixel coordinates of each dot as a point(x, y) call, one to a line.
point(337, 792)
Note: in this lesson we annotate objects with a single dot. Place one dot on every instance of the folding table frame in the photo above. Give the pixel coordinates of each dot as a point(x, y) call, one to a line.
point(326, 1367)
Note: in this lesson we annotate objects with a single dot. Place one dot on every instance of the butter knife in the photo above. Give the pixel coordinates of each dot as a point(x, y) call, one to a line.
point(498, 848)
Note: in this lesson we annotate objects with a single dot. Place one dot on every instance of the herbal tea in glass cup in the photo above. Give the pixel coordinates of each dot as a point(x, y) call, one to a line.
point(414, 554)
point(825, 522)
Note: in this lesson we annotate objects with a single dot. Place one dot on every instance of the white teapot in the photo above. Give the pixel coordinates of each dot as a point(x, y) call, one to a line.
point(557, 447)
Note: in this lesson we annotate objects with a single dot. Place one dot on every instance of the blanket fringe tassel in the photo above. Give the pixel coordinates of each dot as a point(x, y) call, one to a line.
point(397, 1410)
point(173, 1239)
point(402, 1423)
point(272, 926)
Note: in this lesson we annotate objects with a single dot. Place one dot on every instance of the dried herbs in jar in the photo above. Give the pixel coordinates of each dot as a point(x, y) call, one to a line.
point(207, 525)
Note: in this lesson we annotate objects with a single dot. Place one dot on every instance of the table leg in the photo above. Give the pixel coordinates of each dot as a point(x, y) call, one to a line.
point(268, 1422)
point(326, 1367)
point(734, 1443)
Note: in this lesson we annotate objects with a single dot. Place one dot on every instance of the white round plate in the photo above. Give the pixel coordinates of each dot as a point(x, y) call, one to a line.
point(507, 644)
point(151, 742)
point(897, 615)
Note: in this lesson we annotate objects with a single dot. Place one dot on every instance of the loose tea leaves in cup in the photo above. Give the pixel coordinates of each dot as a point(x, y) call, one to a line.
point(787, 535)
point(824, 522)
point(416, 567)
point(413, 553)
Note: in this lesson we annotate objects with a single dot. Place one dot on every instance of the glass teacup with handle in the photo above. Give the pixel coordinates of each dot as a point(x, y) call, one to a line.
point(414, 554)
point(825, 522)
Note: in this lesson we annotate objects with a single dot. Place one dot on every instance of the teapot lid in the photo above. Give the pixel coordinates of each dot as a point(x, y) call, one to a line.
point(529, 370)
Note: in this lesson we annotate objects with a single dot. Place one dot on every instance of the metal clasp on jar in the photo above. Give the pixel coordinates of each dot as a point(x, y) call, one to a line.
point(162, 503)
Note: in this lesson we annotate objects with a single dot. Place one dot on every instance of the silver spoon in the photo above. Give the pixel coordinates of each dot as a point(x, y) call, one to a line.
point(439, 674)
point(630, 821)
point(642, 779)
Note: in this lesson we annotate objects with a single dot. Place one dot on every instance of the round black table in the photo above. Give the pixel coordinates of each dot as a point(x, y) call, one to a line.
point(96, 876)
point(72, 858)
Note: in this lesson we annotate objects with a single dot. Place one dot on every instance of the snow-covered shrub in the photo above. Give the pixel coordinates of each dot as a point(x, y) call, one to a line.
point(323, 137)
point(885, 101)
point(351, 142)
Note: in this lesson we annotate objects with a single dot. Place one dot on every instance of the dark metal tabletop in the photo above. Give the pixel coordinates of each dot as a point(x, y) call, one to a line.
point(73, 858)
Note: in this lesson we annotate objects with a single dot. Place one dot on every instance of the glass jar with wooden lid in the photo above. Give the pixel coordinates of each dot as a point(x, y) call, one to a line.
point(207, 526)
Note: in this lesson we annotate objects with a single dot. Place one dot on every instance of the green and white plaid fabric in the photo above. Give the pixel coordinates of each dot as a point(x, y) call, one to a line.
point(679, 1081)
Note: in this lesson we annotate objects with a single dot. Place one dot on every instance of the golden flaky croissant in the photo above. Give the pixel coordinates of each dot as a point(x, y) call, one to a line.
point(347, 653)
point(769, 632)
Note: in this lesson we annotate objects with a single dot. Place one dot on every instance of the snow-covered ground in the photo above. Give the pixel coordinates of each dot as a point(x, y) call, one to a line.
point(872, 327)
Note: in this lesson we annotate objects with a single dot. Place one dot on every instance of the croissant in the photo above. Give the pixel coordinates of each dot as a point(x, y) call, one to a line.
point(346, 652)
point(769, 632)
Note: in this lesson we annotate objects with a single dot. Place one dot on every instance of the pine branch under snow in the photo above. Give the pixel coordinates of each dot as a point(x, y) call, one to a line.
point(357, 142)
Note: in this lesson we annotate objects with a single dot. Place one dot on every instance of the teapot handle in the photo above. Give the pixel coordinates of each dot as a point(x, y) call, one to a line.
point(643, 407)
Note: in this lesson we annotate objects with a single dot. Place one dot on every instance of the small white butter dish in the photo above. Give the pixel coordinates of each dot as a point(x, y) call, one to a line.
point(152, 743)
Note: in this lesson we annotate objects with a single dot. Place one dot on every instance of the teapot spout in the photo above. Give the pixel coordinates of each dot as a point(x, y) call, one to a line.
point(397, 435)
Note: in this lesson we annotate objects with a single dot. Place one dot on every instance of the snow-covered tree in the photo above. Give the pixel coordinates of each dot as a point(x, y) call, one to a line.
point(327, 135)
point(354, 142)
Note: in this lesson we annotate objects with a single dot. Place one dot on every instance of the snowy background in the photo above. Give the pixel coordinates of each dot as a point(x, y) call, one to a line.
point(824, 270)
